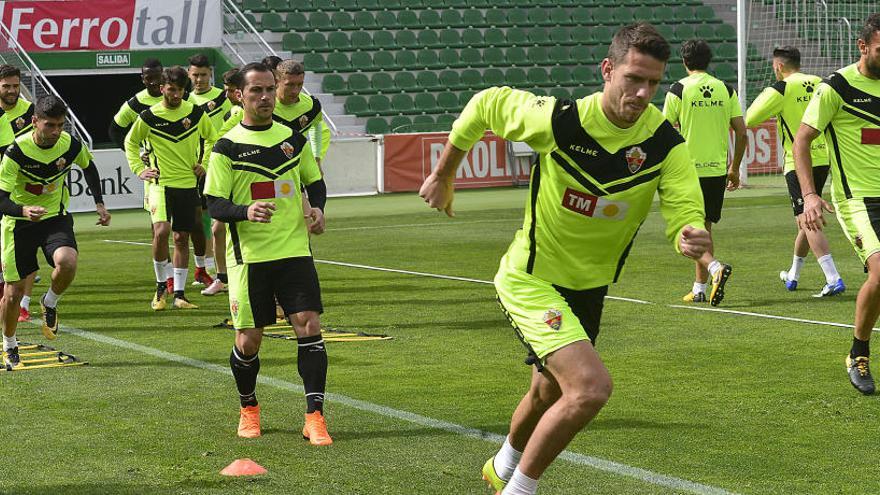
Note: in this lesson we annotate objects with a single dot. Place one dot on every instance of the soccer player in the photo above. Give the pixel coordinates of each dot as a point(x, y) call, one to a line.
point(845, 108)
point(299, 111)
point(174, 130)
point(603, 159)
point(34, 200)
point(705, 108)
point(231, 85)
point(19, 113)
point(253, 185)
point(271, 61)
point(787, 100)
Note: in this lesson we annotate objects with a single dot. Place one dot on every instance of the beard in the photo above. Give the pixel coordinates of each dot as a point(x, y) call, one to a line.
point(872, 67)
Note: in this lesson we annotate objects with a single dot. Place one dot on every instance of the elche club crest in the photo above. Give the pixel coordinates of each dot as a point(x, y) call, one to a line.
point(303, 121)
point(287, 148)
point(60, 163)
point(635, 157)
point(233, 306)
point(553, 318)
point(186, 123)
point(19, 122)
point(211, 105)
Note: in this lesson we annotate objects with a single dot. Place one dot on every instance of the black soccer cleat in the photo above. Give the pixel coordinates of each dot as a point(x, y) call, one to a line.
point(50, 320)
point(719, 280)
point(860, 374)
point(11, 359)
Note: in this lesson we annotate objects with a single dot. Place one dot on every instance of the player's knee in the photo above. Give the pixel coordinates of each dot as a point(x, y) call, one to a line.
point(306, 323)
point(544, 397)
point(591, 396)
point(181, 239)
point(66, 262)
point(13, 292)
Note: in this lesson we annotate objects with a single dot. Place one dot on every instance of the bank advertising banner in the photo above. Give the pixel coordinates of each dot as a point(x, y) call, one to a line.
point(120, 187)
point(409, 158)
point(112, 25)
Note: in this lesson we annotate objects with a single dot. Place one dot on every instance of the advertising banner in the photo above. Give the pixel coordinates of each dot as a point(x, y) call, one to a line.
point(763, 152)
point(409, 158)
point(116, 26)
point(120, 188)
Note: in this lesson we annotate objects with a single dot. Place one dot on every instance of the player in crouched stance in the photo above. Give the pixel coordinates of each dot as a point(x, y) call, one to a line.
point(253, 185)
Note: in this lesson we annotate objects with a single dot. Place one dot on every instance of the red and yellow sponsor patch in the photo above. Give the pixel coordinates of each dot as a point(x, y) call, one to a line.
point(273, 189)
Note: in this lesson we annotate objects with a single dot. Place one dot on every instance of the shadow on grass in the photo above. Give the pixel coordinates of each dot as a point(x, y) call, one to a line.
point(106, 488)
point(641, 424)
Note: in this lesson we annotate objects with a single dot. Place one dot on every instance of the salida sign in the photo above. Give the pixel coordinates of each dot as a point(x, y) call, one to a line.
point(97, 25)
point(409, 159)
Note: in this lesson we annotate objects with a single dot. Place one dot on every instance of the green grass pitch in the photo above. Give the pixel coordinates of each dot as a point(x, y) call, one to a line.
point(704, 402)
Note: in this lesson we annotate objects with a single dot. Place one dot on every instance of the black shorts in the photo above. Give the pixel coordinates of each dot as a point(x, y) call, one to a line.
point(27, 237)
point(175, 205)
point(713, 196)
point(587, 306)
point(254, 288)
point(820, 176)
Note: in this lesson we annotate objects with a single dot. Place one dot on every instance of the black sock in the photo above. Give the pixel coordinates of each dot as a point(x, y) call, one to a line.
point(245, 369)
point(860, 348)
point(178, 294)
point(312, 365)
point(222, 277)
point(161, 287)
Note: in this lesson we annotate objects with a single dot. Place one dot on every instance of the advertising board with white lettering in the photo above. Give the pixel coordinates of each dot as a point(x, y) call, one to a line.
point(112, 25)
point(119, 186)
point(410, 158)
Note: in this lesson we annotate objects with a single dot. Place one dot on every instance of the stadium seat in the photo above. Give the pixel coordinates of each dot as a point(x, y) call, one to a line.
point(725, 51)
point(278, 5)
point(538, 77)
point(516, 56)
point(582, 91)
point(559, 35)
point(538, 36)
point(517, 37)
point(380, 105)
point(450, 38)
point(292, 42)
point(725, 71)
point(494, 37)
point(423, 123)
point(516, 78)
point(406, 39)
point(316, 42)
point(449, 79)
point(253, 5)
point(472, 18)
point(493, 77)
point(400, 123)
point(496, 18)
point(338, 62)
point(471, 79)
point(602, 35)
point(412, 4)
point(725, 32)
point(704, 31)
point(560, 76)
point(408, 19)
point(405, 81)
point(319, 21)
point(427, 81)
point(384, 60)
point(444, 122)
point(684, 32)
point(603, 15)
point(377, 125)
point(425, 103)
point(382, 83)
point(464, 97)
point(493, 57)
point(406, 59)
point(333, 83)
point(560, 93)
point(270, 21)
point(704, 13)
point(356, 105)
point(428, 59)
point(361, 40)
point(361, 61)
point(558, 17)
point(471, 57)
point(472, 37)
point(364, 20)
point(580, 75)
point(451, 19)
point(429, 38)
point(580, 16)
point(663, 16)
point(448, 57)
point(338, 40)
point(386, 19)
point(402, 103)
point(368, 4)
point(314, 62)
point(518, 17)
point(538, 55)
point(582, 35)
point(447, 101)
point(383, 39)
point(676, 72)
point(430, 18)
point(478, 4)
point(342, 20)
point(345, 4)
point(622, 15)
point(558, 55)
point(359, 83)
point(643, 13)
point(683, 13)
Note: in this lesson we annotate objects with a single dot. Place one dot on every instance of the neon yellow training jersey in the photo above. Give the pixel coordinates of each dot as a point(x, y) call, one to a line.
point(305, 116)
point(787, 100)
point(214, 103)
point(703, 106)
point(263, 163)
point(594, 183)
point(846, 108)
point(133, 107)
point(34, 176)
point(21, 116)
point(174, 142)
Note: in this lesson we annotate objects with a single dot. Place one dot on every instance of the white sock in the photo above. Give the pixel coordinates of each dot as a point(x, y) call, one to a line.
point(25, 302)
point(699, 288)
point(169, 270)
point(180, 275)
point(827, 264)
point(50, 300)
point(209, 262)
point(714, 266)
point(161, 269)
point(200, 261)
point(520, 484)
point(9, 343)
point(794, 273)
point(506, 460)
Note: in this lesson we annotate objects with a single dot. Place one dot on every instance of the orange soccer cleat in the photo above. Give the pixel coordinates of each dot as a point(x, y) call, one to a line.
point(249, 422)
point(315, 429)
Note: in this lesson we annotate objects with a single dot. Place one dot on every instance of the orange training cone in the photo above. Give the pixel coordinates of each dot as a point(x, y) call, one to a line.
point(243, 467)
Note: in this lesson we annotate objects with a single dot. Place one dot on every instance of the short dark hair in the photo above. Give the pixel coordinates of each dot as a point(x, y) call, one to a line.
point(232, 77)
point(271, 61)
point(290, 67)
point(151, 64)
point(177, 76)
point(7, 70)
point(50, 106)
point(872, 25)
point(253, 67)
point(789, 55)
point(199, 60)
point(641, 36)
point(696, 54)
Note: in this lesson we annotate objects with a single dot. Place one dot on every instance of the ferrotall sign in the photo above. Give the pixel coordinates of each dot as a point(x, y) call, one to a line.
point(113, 25)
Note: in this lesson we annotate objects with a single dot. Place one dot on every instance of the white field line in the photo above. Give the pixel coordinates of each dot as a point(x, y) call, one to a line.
point(425, 421)
point(762, 315)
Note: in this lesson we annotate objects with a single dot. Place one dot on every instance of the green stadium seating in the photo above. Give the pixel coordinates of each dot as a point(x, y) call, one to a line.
point(338, 40)
point(494, 37)
point(400, 123)
point(496, 18)
point(430, 18)
point(384, 60)
point(581, 34)
point(470, 57)
point(382, 83)
point(333, 83)
point(683, 13)
point(560, 93)
point(478, 4)
point(427, 81)
point(314, 62)
point(316, 42)
point(558, 55)
point(725, 32)
point(725, 71)
point(405, 81)
point(580, 16)
point(270, 21)
point(338, 62)
point(663, 16)
point(380, 104)
point(538, 77)
point(368, 4)
point(704, 13)
point(386, 18)
point(406, 39)
point(359, 83)
point(451, 19)
point(725, 51)
point(559, 17)
point(406, 59)
point(319, 21)
point(408, 19)
point(342, 20)
point(361, 61)
point(450, 38)
point(253, 5)
point(448, 57)
point(364, 20)
point(278, 5)
point(447, 101)
point(402, 103)
point(493, 77)
point(383, 39)
point(539, 17)
point(471, 79)
point(377, 125)
point(425, 102)
point(449, 79)
point(560, 76)
point(412, 4)
point(361, 40)
point(684, 32)
point(345, 4)
point(356, 105)
point(603, 15)
point(538, 36)
point(429, 59)
point(582, 91)
point(559, 36)
point(516, 78)
point(292, 42)
point(494, 57)
point(517, 37)
point(538, 55)
point(444, 122)
point(464, 97)
point(704, 31)
point(518, 17)
point(676, 71)
point(643, 13)
point(581, 75)
point(516, 56)
point(429, 38)
point(471, 37)
point(472, 18)
point(423, 123)
point(622, 15)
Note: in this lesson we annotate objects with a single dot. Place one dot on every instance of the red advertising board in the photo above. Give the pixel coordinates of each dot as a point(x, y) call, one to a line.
point(409, 158)
point(762, 154)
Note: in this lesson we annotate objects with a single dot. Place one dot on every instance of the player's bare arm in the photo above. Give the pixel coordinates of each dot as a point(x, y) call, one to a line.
point(694, 242)
point(739, 148)
point(438, 188)
point(103, 215)
point(811, 218)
